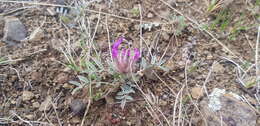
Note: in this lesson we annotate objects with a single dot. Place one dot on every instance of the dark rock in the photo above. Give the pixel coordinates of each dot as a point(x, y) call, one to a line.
point(78, 107)
point(14, 31)
point(226, 109)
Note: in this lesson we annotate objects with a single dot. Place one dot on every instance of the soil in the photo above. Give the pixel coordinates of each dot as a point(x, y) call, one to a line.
point(35, 88)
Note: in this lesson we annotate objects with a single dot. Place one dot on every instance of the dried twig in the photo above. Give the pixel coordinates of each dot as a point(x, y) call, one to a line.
point(89, 10)
point(164, 83)
point(199, 27)
point(108, 38)
point(56, 113)
point(141, 32)
point(88, 106)
point(175, 106)
point(95, 31)
point(256, 61)
point(26, 121)
point(207, 79)
point(16, 10)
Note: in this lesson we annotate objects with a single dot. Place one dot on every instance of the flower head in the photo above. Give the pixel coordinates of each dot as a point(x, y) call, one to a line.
point(125, 59)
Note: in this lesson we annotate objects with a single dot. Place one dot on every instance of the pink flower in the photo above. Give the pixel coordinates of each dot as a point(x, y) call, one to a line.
point(124, 59)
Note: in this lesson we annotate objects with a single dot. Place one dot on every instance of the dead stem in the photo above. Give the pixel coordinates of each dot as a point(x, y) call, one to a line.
point(140, 29)
point(56, 113)
point(256, 62)
point(89, 10)
point(207, 79)
point(26, 121)
point(199, 27)
point(108, 39)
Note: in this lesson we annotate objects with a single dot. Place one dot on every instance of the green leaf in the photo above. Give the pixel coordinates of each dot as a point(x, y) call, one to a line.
point(3, 60)
point(83, 79)
point(126, 91)
point(120, 97)
point(73, 67)
point(91, 66)
point(75, 83)
point(164, 68)
point(129, 98)
point(98, 63)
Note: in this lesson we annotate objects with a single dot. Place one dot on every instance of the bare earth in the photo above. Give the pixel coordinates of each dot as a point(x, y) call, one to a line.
point(202, 49)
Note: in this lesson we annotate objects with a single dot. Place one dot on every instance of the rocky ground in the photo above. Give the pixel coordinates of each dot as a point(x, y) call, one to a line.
point(208, 75)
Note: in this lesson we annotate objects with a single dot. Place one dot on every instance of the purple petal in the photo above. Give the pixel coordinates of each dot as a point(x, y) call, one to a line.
point(137, 54)
point(128, 52)
point(123, 52)
point(115, 47)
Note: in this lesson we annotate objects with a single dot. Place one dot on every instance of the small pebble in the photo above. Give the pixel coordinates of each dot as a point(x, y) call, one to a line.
point(30, 117)
point(36, 105)
point(27, 95)
point(62, 78)
point(197, 92)
point(78, 107)
point(150, 15)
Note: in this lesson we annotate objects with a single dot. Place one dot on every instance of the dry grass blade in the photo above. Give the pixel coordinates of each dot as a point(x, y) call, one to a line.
point(95, 31)
point(89, 10)
point(215, 5)
point(246, 100)
point(108, 38)
point(199, 27)
point(207, 79)
point(164, 83)
point(16, 10)
point(174, 115)
point(141, 32)
point(26, 121)
point(152, 101)
point(56, 113)
point(256, 61)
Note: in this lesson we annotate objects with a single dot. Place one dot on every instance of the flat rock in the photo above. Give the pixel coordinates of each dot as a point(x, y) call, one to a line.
point(14, 31)
point(197, 92)
point(218, 68)
point(36, 105)
point(46, 104)
point(150, 15)
point(30, 117)
point(27, 95)
point(227, 110)
point(62, 78)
